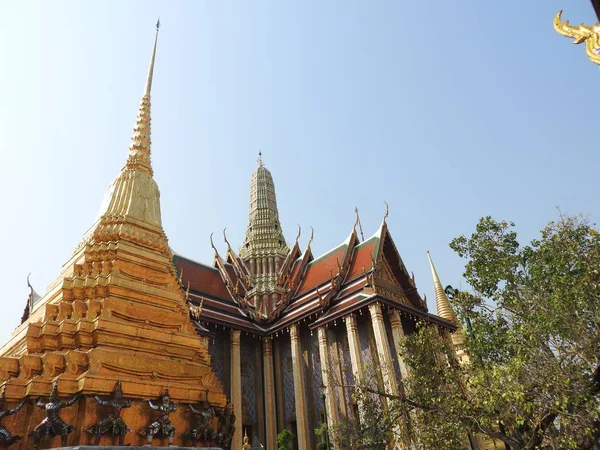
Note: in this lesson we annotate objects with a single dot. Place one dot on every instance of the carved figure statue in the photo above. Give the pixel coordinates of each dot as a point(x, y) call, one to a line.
point(203, 432)
point(5, 437)
point(162, 426)
point(113, 424)
point(226, 427)
point(53, 425)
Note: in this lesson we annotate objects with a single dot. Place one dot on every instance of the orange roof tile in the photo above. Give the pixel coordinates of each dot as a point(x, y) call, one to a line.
point(319, 271)
point(362, 259)
point(202, 278)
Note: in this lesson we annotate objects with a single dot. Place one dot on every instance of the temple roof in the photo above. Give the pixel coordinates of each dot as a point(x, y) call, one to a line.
point(344, 279)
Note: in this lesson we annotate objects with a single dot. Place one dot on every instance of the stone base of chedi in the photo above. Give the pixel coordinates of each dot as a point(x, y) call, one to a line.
point(117, 312)
point(109, 447)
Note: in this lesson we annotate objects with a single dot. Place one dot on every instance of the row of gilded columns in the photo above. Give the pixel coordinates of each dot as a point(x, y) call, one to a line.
point(304, 432)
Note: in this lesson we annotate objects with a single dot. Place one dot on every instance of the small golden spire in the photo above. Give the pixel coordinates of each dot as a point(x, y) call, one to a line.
point(260, 159)
point(442, 304)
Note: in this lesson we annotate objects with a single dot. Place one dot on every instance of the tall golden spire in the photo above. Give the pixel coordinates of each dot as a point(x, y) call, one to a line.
point(151, 68)
point(133, 199)
point(443, 307)
point(139, 149)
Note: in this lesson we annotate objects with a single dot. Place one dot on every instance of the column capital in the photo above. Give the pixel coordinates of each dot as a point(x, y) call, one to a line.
point(322, 334)
point(235, 337)
point(375, 310)
point(395, 319)
point(267, 345)
point(294, 332)
point(350, 320)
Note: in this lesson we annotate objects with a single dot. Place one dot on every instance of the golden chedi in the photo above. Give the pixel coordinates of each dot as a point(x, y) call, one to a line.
point(116, 312)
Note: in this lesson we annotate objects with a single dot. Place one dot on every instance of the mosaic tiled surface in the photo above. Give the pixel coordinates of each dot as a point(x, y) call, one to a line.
point(393, 352)
point(344, 348)
point(365, 350)
point(288, 378)
point(316, 375)
point(249, 373)
point(218, 353)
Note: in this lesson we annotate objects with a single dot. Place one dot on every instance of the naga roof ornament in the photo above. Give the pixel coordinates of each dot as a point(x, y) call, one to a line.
point(590, 35)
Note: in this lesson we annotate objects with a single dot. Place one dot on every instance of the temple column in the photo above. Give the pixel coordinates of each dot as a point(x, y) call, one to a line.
point(270, 417)
point(390, 384)
point(326, 372)
point(304, 432)
point(355, 355)
point(398, 336)
point(236, 387)
point(383, 349)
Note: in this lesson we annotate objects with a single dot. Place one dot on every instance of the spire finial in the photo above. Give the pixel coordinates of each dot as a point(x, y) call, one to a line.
point(151, 68)
point(260, 159)
point(387, 211)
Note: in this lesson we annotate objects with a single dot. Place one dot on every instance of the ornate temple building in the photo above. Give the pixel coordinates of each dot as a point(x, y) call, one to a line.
point(270, 328)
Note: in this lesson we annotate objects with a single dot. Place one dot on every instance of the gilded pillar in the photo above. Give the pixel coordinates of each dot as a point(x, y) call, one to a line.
point(236, 387)
point(383, 349)
point(270, 417)
point(327, 374)
point(398, 336)
point(304, 432)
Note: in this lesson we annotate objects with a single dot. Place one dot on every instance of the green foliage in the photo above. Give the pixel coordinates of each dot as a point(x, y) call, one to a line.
point(285, 440)
point(323, 434)
point(534, 376)
point(532, 330)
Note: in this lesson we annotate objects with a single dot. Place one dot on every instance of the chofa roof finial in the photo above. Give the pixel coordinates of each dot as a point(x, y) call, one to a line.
point(362, 236)
point(387, 211)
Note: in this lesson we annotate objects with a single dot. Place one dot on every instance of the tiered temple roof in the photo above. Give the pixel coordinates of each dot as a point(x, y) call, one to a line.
point(348, 277)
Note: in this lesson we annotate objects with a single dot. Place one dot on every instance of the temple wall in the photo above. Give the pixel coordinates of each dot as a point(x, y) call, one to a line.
point(345, 371)
point(288, 382)
point(312, 388)
point(220, 359)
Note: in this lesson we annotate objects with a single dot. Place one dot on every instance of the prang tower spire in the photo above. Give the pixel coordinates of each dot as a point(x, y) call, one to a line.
point(264, 248)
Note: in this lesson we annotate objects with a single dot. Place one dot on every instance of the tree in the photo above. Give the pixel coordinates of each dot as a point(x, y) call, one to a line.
point(284, 440)
point(532, 326)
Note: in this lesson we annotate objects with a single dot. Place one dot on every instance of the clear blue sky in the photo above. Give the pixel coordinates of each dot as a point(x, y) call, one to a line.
point(447, 110)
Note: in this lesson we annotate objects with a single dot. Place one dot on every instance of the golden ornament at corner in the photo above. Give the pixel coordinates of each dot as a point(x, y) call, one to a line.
point(581, 34)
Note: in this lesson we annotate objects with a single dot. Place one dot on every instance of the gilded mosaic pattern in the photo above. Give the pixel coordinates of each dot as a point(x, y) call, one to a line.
point(249, 372)
point(288, 379)
point(317, 376)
